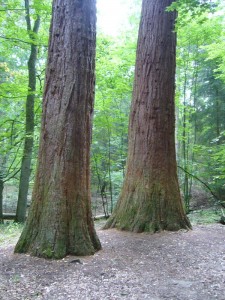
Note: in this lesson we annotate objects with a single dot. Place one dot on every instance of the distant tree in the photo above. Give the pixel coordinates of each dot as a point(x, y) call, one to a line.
point(200, 93)
point(19, 23)
point(29, 128)
point(150, 198)
point(114, 78)
point(1, 198)
point(60, 220)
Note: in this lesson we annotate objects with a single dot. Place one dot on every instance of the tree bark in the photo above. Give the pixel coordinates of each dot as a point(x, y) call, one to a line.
point(1, 198)
point(60, 220)
point(150, 198)
point(29, 129)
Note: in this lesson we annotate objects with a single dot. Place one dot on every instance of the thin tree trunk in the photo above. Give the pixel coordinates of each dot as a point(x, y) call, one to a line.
point(150, 198)
point(194, 119)
point(29, 130)
point(185, 144)
point(218, 109)
point(1, 198)
point(60, 219)
point(109, 171)
point(101, 188)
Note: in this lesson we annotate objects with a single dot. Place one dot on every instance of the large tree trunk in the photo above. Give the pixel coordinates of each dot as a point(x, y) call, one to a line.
point(60, 220)
point(29, 130)
point(150, 198)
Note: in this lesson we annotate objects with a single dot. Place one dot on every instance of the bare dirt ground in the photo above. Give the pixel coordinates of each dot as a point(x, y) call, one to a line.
point(181, 265)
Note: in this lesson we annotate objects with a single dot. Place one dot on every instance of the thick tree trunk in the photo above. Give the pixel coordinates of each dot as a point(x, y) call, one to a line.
point(60, 220)
point(150, 198)
point(29, 130)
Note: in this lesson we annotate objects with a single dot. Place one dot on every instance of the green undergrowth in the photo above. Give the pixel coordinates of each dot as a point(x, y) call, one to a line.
point(205, 216)
point(9, 232)
point(100, 223)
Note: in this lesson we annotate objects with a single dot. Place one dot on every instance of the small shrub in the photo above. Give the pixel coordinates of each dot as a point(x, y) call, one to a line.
point(9, 232)
point(205, 216)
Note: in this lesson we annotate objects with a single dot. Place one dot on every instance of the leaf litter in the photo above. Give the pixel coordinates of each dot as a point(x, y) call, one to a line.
point(168, 265)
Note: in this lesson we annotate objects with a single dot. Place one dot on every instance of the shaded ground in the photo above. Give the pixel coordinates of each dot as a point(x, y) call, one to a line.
point(182, 265)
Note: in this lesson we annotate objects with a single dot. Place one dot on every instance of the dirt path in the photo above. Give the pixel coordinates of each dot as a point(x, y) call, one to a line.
point(182, 265)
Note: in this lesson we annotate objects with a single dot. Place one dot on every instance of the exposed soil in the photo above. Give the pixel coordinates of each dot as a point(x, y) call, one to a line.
point(182, 265)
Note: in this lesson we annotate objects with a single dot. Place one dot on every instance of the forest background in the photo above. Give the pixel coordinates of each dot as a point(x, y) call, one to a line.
point(200, 101)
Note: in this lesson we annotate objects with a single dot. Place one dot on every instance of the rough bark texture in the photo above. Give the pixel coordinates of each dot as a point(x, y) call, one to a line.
point(29, 129)
point(150, 198)
point(60, 220)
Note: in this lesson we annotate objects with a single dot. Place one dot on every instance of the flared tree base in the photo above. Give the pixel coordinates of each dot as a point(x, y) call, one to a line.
point(150, 210)
point(59, 248)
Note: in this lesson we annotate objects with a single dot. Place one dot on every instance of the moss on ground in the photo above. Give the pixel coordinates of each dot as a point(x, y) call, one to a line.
point(205, 216)
point(9, 232)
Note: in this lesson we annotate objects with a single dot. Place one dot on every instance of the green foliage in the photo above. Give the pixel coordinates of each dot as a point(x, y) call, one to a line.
point(206, 216)
point(9, 232)
point(14, 52)
point(200, 95)
point(114, 81)
point(193, 8)
point(216, 49)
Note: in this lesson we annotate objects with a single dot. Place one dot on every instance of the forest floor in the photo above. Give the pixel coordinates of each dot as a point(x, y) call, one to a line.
point(180, 265)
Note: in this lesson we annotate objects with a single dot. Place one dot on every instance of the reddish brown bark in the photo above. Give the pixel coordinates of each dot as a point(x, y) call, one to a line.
point(60, 220)
point(150, 198)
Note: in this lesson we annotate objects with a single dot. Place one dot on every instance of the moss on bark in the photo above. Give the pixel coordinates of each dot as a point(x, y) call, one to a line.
point(60, 219)
point(149, 210)
point(150, 198)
